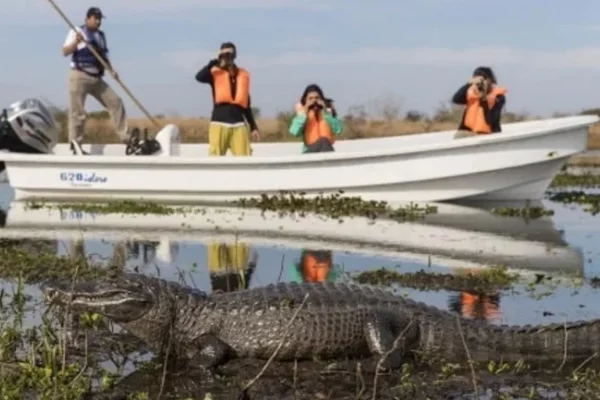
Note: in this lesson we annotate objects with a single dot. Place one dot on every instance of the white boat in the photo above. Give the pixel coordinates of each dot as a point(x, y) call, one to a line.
point(517, 164)
point(448, 245)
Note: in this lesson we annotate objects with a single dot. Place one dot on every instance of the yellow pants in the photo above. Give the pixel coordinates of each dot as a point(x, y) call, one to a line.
point(226, 258)
point(222, 138)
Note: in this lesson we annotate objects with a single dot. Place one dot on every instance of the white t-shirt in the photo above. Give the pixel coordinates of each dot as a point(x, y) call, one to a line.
point(71, 38)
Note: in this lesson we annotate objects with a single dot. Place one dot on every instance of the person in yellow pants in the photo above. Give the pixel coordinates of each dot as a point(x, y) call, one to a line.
point(229, 266)
point(232, 118)
point(223, 137)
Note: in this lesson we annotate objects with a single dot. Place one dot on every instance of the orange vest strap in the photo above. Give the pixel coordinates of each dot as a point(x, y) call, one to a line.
point(317, 129)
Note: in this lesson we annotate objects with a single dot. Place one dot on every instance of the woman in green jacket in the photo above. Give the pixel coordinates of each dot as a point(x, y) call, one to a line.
point(315, 122)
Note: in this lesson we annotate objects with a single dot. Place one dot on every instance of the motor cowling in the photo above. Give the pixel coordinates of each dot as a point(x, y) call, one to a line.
point(34, 125)
point(28, 127)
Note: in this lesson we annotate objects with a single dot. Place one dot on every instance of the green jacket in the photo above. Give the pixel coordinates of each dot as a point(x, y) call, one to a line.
point(295, 273)
point(299, 121)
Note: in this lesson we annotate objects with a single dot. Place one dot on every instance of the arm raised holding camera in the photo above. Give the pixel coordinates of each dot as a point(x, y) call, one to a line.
point(483, 101)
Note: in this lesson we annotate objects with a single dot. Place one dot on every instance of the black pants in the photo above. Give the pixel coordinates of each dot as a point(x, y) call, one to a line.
point(321, 145)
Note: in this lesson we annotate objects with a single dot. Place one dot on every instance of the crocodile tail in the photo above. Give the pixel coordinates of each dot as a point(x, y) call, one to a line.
point(576, 341)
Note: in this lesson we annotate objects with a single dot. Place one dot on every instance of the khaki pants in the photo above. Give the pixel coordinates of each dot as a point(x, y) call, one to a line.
point(80, 85)
point(222, 138)
point(464, 134)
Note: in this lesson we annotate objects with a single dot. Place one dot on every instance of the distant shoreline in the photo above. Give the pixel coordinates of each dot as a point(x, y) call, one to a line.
point(590, 158)
point(100, 129)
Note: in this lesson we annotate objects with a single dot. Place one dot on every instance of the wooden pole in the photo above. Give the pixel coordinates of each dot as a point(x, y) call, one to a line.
point(106, 66)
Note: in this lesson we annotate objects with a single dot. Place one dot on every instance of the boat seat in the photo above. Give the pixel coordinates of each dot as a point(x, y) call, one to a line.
point(169, 139)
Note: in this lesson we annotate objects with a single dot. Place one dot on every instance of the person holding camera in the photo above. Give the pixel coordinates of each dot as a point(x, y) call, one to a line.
point(232, 112)
point(315, 121)
point(483, 101)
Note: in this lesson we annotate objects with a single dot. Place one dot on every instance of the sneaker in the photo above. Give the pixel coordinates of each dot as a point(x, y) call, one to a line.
point(77, 150)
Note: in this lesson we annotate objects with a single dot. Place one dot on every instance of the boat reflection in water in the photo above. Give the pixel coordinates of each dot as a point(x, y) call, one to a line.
point(228, 249)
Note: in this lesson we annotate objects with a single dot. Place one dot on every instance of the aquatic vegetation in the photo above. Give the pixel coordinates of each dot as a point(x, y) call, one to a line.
point(584, 180)
point(524, 212)
point(487, 280)
point(34, 267)
point(591, 201)
point(334, 206)
point(115, 207)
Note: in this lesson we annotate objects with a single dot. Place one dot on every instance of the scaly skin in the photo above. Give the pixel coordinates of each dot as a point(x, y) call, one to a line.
point(337, 320)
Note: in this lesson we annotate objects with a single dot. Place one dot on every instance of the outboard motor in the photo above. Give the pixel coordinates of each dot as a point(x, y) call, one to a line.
point(27, 127)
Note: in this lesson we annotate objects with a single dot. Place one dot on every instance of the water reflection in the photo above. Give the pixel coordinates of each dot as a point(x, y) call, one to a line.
point(230, 265)
point(456, 232)
point(315, 265)
point(146, 248)
point(220, 251)
point(471, 305)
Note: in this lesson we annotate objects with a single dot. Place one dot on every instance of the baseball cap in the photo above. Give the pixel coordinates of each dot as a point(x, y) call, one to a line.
point(94, 11)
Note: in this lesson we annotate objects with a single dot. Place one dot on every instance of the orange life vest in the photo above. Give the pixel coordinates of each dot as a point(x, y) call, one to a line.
point(474, 115)
point(223, 89)
point(474, 306)
point(317, 129)
point(315, 268)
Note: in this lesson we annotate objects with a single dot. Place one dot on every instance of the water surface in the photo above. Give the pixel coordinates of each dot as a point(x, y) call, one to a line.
point(216, 262)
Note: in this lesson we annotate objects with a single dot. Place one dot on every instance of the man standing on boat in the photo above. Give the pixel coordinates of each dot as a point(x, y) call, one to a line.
point(86, 77)
point(232, 112)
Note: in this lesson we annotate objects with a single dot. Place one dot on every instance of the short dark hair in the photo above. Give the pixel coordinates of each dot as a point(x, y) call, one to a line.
point(486, 72)
point(229, 45)
point(94, 12)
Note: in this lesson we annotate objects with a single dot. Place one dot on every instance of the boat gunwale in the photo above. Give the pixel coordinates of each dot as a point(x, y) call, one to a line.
point(311, 158)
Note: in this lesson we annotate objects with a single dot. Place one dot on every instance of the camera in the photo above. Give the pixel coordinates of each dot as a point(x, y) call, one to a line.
point(481, 85)
point(227, 57)
point(316, 106)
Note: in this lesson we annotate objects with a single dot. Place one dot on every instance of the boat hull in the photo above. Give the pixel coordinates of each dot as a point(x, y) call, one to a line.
point(517, 164)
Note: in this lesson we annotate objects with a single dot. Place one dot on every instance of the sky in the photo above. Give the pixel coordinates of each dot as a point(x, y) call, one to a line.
point(411, 54)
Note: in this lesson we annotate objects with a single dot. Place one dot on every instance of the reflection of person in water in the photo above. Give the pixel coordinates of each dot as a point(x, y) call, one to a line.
point(229, 267)
point(146, 248)
point(118, 258)
point(480, 306)
point(314, 266)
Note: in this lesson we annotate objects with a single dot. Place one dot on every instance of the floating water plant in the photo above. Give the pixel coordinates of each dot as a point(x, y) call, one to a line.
point(487, 280)
point(585, 180)
point(334, 206)
point(578, 197)
point(524, 212)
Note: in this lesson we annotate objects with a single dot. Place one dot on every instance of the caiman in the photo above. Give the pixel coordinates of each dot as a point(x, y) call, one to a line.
point(336, 320)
